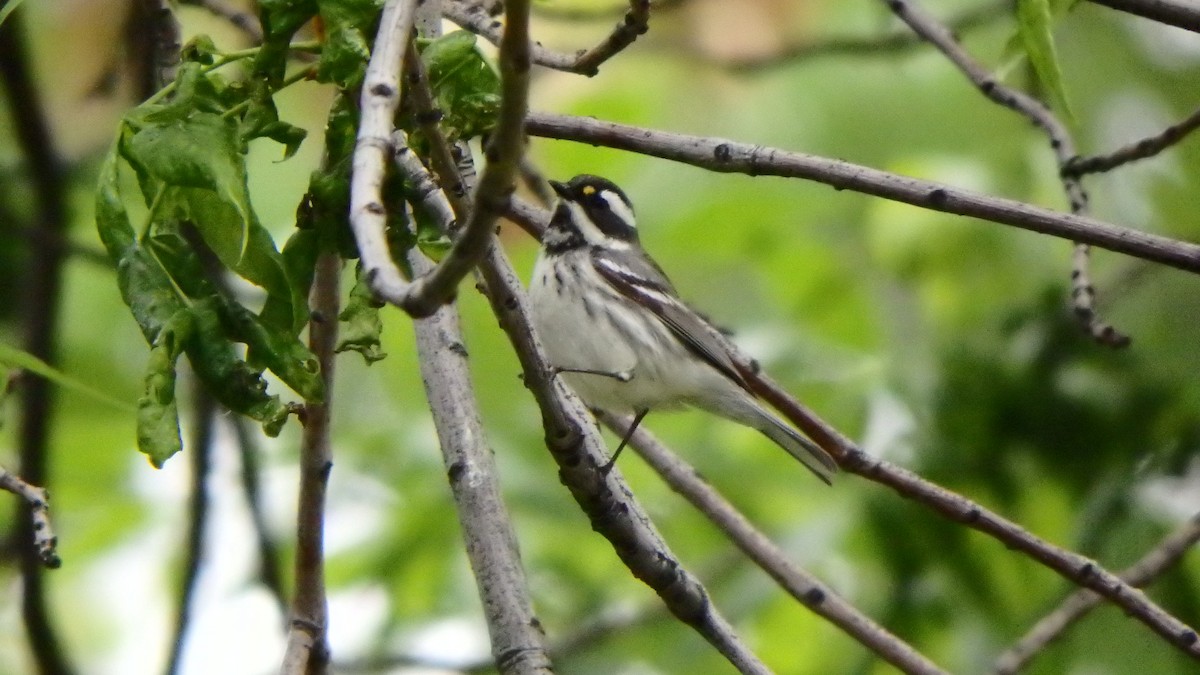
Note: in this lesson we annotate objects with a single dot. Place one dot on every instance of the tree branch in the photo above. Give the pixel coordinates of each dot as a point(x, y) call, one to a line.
point(635, 23)
point(1073, 567)
point(1147, 147)
point(1179, 13)
point(244, 21)
point(726, 156)
point(1083, 293)
point(476, 19)
point(41, 296)
point(801, 585)
point(518, 643)
point(892, 42)
point(1158, 560)
point(201, 449)
point(44, 540)
point(381, 95)
point(307, 647)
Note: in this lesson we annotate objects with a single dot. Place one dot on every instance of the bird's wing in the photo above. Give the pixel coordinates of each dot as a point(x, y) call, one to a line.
point(638, 278)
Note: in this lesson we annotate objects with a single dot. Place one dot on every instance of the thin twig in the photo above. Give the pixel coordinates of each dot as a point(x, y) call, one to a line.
point(476, 19)
point(1083, 292)
point(518, 643)
point(201, 449)
point(1156, 561)
point(244, 21)
point(802, 586)
point(41, 296)
point(635, 23)
point(307, 646)
point(892, 42)
point(44, 540)
point(381, 95)
point(717, 154)
point(1072, 566)
point(269, 568)
point(1180, 13)
point(1147, 147)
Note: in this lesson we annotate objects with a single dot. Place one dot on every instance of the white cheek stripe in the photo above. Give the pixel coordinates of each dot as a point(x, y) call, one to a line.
point(619, 207)
point(591, 233)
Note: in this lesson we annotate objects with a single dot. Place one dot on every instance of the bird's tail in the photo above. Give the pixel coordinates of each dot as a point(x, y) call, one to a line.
point(810, 454)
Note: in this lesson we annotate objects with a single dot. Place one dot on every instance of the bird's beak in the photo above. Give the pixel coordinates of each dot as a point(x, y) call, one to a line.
point(559, 188)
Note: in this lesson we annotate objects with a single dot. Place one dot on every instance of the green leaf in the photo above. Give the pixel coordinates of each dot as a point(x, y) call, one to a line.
point(8, 8)
point(361, 326)
point(157, 411)
point(328, 199)
point(279, 351)
point(280, 20)
point(465, 85)
point(202, 151)
point(15, 358)
point(262, 121)
point(345, 52)
point(255, 258)
point(200, 49)
point(1034, 25)
point(231, 380)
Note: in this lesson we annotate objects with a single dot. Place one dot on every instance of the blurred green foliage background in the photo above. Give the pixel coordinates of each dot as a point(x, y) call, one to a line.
point(941, 343)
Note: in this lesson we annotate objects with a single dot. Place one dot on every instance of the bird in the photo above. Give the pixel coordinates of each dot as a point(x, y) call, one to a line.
point(613, 327)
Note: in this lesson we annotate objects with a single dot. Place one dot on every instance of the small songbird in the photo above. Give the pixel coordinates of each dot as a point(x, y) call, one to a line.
point(611, 322)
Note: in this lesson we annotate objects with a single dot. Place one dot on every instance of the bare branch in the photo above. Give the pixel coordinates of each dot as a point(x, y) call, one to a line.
point(1083, 293)
point(518, 643)
point(268, 555)
point(1147, 147)
point(635, 23)
point(1073, 567)
point(244, 21)
point(475, 18)
point(41, 295)
point(44, 540)
point(802, 586)
point(717, 154)
point(892, 42)
point(201, 450)
point(1158, 560)
point(381, 95)
point(1179, 13)
point(307, 647)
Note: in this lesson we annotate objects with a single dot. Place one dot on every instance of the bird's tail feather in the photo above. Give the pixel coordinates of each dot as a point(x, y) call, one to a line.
point(810, 454)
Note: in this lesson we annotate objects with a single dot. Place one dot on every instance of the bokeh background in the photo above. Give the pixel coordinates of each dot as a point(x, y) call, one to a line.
point(941, 343)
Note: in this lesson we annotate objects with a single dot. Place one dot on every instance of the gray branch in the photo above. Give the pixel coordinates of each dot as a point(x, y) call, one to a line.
point(1158, 560)
point(802, 586)
point(44, 540)
point(476, 19)
point(1180, 13)
point(518, 644)
point(307, 651)
point(727, 156)
point(1083, 293)
point(1146, 147)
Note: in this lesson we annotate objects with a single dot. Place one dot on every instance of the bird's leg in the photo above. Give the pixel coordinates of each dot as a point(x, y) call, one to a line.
point(619, 375)
point(637, 419)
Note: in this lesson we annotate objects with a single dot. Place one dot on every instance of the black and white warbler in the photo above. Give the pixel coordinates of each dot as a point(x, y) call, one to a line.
point(613, 325)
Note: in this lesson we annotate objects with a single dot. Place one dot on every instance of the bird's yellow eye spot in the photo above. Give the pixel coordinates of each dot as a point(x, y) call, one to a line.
point(589, 190)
